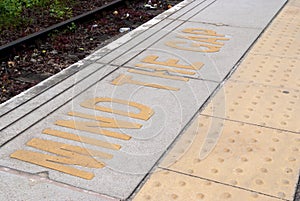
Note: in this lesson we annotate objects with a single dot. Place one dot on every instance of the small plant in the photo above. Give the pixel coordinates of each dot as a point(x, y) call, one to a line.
point(60, 10)
point(72, 27)
point(11, 10)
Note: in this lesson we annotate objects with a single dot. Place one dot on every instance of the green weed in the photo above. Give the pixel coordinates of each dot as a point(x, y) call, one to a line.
point(11, 10)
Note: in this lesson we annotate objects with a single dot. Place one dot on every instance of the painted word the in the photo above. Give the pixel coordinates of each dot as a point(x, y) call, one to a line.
point(151, 66)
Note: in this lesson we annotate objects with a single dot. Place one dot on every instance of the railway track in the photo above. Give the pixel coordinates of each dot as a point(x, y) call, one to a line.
point(31, 59)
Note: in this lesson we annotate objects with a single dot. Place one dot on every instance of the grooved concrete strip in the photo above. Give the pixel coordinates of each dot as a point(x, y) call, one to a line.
point(22, 98)
point(33, 111)
point(57, 90)
point(191, 8)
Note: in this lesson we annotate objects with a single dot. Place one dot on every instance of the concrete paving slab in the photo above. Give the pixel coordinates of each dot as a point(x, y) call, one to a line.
point(269, 70)
point(246, 156)
point(182, 44)
point(237, 13)
point(257, 104)
point(169, 185)
point(20, 186)
point(124, 151)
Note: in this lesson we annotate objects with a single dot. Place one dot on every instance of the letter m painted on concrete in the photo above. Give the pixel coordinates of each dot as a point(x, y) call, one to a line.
point(65, 156)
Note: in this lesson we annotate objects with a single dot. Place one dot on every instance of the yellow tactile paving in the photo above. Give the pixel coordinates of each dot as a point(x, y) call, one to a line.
point(287, 22)
point(294, 3)
point(278, 45)
point(258, 104)
point(165, 185)
point(251, 157)
point(290, 14)
point(269, 70)
point(282, 38)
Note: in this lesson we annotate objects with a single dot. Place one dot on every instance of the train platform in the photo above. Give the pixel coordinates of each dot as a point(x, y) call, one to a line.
point(200, 103)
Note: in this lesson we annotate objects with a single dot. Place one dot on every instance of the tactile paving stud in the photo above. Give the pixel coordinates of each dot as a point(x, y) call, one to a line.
point(167, 185)
point(258, 104)
point(251, 157)
point(269, 70)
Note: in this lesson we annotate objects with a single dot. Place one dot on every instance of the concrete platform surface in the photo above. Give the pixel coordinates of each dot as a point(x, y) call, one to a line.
point(200, 103)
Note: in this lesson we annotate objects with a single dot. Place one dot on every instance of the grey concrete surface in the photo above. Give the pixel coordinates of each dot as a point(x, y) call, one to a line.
point(26, 116)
